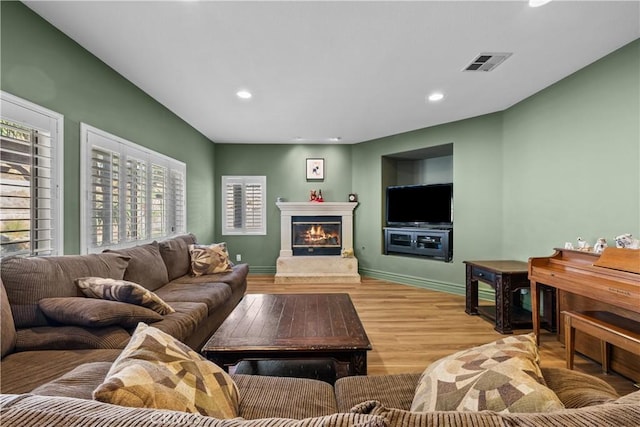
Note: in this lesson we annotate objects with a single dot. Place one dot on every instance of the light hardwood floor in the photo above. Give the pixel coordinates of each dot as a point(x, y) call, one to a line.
point(411, 327)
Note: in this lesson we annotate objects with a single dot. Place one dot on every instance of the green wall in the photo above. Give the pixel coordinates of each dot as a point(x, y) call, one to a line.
point(284, 167)
point(42, 65)
point(572, 159)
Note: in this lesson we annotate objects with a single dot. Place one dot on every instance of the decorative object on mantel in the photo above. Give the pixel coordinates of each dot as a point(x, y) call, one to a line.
point(347, 253)
point(316, 196)
point(568, 245)
point(315, 169)
point(627, 241)
point(353, 197)
point(599, 246)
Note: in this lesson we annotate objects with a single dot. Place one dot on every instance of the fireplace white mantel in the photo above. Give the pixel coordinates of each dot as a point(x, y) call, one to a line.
point(316, 268)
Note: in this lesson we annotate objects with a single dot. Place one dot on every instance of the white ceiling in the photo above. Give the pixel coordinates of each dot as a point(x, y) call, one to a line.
point(351, 69)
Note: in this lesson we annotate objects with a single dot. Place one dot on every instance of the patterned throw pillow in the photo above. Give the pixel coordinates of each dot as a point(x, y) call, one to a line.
point(210, 259)
point(157, 371)
point(502, 376)
point(123, 291)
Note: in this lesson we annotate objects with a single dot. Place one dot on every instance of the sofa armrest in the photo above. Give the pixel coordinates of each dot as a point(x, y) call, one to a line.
point(392, 391)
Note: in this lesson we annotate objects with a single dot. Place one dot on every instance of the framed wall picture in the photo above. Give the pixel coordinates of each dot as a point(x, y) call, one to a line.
point(315, 169)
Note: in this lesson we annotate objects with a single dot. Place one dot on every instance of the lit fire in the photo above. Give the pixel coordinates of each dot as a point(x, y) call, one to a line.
point(316, 235)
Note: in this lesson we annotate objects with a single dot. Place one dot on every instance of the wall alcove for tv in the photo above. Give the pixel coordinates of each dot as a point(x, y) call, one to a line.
point(429, 167)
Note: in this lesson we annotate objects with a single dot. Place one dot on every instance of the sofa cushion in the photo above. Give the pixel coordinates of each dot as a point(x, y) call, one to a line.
point(214, 295)
point(70, 337)
point(44, 366)
point(96, 313)
point(287, 397)
point(28, 280)
point(502, 376)
point(185, 321)
point(236, 278)
point(209, 259)
point(175, 254)
point(157, 371)
point(576, 389)
point(146, 266)
point(8, 337)
point(123, 291)
point(79, 382)
point(392, 391)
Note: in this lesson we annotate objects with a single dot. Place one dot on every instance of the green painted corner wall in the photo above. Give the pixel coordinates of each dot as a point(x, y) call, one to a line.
point(41, 64)
point(284, 167)
point(571, 156)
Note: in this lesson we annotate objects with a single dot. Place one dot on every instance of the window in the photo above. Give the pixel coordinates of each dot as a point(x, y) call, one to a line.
point(244, 205)
point(131, 194)
point(31, 141)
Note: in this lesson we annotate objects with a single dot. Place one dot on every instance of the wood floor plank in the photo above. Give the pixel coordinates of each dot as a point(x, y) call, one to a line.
point(411, 327)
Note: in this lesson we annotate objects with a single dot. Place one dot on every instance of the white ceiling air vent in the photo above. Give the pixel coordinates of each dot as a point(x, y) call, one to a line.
point(487, 61)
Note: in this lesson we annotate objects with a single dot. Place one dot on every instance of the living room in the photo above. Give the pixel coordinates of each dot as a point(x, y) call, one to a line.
point(554, 166)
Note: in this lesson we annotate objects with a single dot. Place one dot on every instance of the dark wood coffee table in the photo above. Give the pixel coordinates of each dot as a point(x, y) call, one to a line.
point(292, 326)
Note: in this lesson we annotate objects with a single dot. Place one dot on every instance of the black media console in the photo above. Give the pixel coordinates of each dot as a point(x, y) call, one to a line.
point(436, 243)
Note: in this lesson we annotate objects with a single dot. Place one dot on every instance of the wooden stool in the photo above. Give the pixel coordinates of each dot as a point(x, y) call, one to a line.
point(608, 327)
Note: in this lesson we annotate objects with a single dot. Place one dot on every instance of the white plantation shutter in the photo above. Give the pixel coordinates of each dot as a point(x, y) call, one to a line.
point(132, 194)
point(244, 205)
point(136, 194)
point(104, 197)
point(176, 201)
point(30, 184)
point(159, 190)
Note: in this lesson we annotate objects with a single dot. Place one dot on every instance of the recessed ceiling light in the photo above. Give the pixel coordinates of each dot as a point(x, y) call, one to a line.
point(335, 139)
point(436, 96)
point(244, 94)
point(538, 3)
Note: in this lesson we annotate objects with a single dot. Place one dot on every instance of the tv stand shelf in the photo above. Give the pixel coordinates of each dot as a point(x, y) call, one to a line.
point(436, 243)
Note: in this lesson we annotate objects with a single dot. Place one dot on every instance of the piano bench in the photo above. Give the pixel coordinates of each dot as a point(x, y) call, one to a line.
point(608, 327)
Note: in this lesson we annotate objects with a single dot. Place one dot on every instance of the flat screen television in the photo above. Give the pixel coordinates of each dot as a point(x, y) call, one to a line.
point(420, 205)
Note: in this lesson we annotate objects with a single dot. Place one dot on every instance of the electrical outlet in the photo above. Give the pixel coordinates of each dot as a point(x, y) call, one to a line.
point(238, 257)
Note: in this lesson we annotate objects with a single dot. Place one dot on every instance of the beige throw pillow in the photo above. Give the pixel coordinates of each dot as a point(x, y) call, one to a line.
point(210, 259)
point(502, 376)
point(157, 371)
point(123, 291)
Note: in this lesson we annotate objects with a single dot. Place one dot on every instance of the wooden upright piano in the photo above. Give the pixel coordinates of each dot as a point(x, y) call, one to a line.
point(586, 281)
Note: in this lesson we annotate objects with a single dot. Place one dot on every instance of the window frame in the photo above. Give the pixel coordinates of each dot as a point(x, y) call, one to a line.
point(244, 180)
point(34, 116)
point(93, 138)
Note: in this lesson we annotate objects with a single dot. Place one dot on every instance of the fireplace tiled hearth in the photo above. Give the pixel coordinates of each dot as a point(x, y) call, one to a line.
point(312, 237)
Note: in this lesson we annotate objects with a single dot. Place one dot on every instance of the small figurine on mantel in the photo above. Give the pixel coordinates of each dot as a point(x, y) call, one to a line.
point(316, 196)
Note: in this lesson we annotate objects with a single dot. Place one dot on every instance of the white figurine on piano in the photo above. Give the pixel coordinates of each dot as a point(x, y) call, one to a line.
point(627, 242)
point(599, 246)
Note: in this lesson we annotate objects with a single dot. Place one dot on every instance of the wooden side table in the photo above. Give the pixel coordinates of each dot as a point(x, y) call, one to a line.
point(506, 277)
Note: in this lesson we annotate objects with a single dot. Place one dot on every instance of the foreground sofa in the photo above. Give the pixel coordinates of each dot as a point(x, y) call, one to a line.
point(366, 401)
point(37, 349)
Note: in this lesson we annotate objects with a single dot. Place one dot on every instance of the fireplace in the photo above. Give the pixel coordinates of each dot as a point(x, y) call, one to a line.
point(316, 235)
point(312, 237)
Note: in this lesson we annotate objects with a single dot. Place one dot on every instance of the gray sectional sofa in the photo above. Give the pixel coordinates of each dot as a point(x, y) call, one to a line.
point(37, 349)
